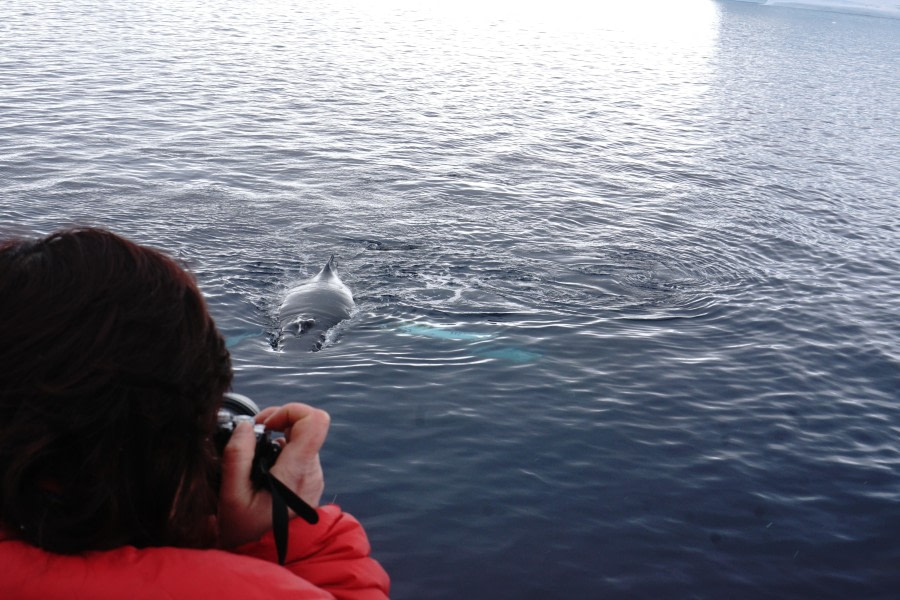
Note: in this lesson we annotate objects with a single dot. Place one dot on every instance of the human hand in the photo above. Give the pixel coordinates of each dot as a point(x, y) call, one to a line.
point(245, 513)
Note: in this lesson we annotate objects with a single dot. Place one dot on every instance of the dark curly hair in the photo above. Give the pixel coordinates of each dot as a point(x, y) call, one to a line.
point(111, 373)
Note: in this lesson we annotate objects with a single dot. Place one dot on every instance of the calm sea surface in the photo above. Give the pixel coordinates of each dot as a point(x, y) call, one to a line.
point(628, 277)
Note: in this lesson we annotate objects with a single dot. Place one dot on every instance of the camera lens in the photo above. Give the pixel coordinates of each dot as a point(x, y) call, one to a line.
point(238, 404)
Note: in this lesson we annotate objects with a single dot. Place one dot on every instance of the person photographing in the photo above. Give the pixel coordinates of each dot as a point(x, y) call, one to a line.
point(112, 374)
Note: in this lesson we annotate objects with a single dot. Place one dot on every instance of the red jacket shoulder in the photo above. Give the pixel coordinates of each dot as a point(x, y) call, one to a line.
point(328, 560)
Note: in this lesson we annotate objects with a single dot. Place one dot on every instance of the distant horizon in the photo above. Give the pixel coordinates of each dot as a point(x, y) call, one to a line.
point(875, 8)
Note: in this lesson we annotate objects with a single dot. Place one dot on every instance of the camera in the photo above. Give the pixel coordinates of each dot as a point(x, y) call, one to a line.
point(235, 409)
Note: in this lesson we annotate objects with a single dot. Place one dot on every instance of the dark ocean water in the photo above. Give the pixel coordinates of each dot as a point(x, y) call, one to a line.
point(628, 277)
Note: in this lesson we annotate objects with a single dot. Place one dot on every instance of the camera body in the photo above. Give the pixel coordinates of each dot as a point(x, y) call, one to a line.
point(235, 409)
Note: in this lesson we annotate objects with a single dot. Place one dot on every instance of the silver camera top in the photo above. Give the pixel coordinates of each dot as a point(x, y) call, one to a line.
point(237, 408)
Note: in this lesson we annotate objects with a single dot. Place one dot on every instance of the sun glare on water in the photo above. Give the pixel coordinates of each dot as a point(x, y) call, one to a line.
point(647, 17)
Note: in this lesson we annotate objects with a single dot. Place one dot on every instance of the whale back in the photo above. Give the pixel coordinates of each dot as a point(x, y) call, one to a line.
point(314, 306)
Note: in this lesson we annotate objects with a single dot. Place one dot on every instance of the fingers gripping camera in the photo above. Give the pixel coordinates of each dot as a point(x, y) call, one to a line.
point(236, 409)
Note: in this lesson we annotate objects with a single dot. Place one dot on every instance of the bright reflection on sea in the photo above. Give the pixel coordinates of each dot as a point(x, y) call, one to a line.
point(688, 25)
point(656, 17)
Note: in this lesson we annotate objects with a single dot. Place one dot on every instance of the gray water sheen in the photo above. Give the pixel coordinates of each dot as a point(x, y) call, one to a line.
point(627, 277)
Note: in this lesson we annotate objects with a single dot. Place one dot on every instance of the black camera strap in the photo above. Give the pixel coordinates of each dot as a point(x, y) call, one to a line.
point(282, 498)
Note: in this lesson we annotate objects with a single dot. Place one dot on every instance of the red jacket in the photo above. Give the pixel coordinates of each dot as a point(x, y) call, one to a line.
point(326, 560)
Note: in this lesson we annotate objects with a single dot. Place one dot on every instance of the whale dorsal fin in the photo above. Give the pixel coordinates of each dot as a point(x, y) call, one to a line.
point(329, 271)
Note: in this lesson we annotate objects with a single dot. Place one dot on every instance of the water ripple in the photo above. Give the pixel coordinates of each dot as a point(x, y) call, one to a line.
point(627, 278)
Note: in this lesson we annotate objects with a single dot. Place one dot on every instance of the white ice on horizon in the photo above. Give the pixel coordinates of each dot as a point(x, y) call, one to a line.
point(881, 8)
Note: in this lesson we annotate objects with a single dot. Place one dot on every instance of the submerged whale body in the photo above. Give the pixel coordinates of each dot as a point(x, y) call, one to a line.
point(312, 308)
